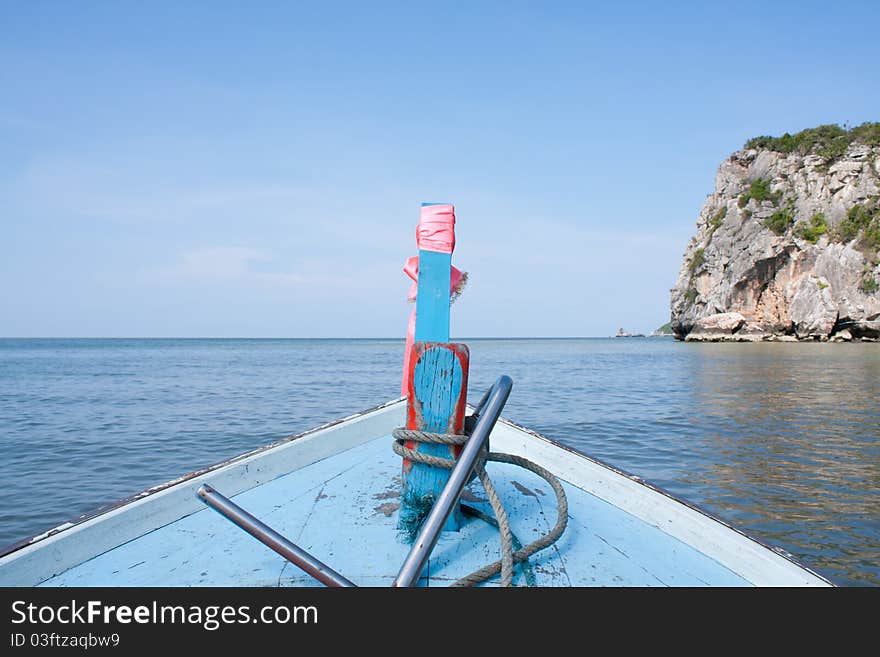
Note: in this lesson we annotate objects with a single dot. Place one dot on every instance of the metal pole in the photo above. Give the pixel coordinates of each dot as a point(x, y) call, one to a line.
point(478, 409)
point(424, 544)
point(269, 537)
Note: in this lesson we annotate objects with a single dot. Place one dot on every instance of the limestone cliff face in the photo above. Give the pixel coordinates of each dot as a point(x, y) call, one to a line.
point(786, 248)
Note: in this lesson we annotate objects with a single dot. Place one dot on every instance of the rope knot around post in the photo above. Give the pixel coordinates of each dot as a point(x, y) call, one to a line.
point(509, 557)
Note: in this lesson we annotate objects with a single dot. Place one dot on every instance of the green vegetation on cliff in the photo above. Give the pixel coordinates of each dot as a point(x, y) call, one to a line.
point(869, 284)
point(697, 261)
point(760, 191)
point(718, 218)
point(813, 230)
point(827, 141)
point(780, 221)
point(864, 220)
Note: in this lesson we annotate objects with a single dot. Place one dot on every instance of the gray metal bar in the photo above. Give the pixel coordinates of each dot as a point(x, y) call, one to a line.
point(490, 410)
point(269, 537)
point(478, 409)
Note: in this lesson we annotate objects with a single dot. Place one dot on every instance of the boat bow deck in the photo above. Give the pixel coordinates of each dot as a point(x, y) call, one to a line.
point(344, 510)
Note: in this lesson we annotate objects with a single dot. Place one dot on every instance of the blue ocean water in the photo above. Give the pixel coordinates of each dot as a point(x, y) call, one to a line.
point(781, 440)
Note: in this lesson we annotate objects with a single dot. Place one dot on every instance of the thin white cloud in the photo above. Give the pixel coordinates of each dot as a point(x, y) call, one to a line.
point(568, 246)
point(82, 190)
point(226, 265)
point(238, 268)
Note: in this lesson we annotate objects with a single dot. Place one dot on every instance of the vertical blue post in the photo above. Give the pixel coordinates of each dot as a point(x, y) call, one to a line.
point(436, 391)
point(432, 299)
point(432, 309)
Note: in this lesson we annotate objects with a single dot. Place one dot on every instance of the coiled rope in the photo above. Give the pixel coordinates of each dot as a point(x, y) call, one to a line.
point(509, 556)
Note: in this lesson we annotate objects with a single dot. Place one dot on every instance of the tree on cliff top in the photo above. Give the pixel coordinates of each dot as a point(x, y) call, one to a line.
point(827, 141)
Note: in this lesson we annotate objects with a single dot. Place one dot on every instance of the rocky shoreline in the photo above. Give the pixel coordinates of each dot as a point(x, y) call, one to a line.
point(788, 245)
point(734, 327)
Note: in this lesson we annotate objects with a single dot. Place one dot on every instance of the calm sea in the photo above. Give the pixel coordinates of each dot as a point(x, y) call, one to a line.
point(781, 440)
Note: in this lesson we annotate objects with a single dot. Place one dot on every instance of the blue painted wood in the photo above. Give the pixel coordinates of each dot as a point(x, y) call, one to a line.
point(344, 510)
point(432, 301)
point(437, 382)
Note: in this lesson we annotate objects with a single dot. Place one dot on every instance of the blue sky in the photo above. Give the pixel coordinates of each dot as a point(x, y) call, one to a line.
point(256, 169)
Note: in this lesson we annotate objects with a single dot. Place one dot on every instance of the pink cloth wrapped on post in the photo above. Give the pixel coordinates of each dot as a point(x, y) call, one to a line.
point(436, 229)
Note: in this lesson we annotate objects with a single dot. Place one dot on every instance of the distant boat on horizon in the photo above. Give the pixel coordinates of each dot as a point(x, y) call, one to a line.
point(622, 333)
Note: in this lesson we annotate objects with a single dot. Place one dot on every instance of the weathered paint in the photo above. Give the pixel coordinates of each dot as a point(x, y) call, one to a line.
point(436, 402)
point(322, 491)
point(452, 360)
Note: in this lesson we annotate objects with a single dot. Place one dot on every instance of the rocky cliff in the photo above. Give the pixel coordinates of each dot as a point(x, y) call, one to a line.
point(788, 244)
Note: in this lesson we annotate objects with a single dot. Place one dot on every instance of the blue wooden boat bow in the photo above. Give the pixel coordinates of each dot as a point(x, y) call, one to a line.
point(472, 459)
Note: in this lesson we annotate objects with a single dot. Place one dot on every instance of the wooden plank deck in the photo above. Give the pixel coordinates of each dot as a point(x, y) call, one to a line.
point(344, 508)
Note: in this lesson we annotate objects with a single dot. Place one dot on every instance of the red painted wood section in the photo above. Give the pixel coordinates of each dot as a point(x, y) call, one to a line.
point(456, 419)
point(436, 402)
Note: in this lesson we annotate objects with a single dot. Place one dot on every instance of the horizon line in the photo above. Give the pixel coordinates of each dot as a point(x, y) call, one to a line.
point(144, 337)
